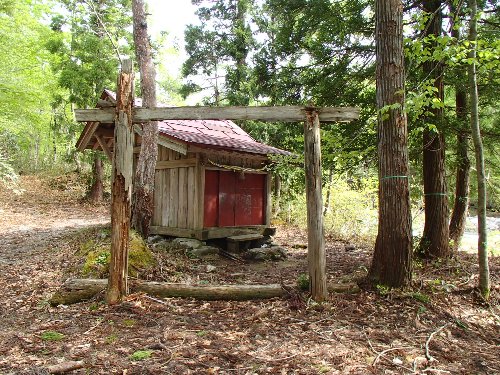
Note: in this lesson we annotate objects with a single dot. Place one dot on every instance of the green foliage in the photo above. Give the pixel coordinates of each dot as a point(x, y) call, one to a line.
point(421, 297)
point(303, 282)
point(52, 336)
point(219, 48)
point(141, 355)
point(383, 290)
point(352, 215)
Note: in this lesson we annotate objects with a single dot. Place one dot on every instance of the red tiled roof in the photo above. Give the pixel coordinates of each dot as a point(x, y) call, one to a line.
point(220, 133)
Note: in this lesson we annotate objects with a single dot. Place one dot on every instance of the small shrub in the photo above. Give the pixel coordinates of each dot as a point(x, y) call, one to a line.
point(141, 355)
point(52, 336)
point(303, 282)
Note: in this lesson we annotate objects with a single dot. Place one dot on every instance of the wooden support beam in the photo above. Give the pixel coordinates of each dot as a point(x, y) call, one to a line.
point(315, 235)
point(283, 113)
point(180, 163)
point(85, 139)
point(121, 186)
point(104, 147)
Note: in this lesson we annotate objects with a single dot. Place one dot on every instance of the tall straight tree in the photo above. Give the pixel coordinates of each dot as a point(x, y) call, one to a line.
point(484, 273)
point(392, 260)
point(435, 238)
point(142, 211)
point(461, 204)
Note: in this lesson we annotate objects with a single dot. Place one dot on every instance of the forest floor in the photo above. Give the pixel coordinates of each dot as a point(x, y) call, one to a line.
point(438, 326)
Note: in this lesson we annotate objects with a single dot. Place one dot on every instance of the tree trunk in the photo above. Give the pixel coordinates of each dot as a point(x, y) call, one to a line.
point(77, 290)
point(482, 246)
point(315, 232)
point(435, 238)
point(145, 171)
point(392, 259)
point(121, 188)
point(461, 205)
point(277, 194)
point(97, 189)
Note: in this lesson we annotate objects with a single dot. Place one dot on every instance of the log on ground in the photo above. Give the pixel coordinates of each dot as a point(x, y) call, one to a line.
point(77, 290)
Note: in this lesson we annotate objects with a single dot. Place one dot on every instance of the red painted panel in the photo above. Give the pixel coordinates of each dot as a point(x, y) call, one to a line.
point(249, 208)
point(211, 209)
point(233, 199)
point(227, 187)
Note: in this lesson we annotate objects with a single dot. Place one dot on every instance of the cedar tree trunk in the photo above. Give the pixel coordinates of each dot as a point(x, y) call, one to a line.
point(460, 207)
point(461, 204)
point(435, 238)
point(143, 202)
point(392, 259)
point(482, 248)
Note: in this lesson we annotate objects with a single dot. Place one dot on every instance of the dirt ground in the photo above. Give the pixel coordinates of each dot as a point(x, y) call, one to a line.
point(439, 326)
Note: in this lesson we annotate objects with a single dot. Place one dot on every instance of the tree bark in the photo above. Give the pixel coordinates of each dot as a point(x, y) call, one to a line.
point(482, 246)
point(461, 204)
point(315, 232)
point(277, 194)
point(143, 200)
point(121, 190)
point(392, 259)
point(97, 189)
point(435, 238)
point(77, 290)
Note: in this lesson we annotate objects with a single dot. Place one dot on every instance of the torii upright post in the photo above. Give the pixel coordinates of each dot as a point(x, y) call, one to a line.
point(121, 188)
point(315, 234)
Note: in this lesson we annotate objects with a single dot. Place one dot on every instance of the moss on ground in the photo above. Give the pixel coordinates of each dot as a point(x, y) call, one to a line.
point(97, 253)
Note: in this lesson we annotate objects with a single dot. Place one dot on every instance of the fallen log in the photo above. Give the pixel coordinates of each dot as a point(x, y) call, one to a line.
point(77, 290)
point(64, 367)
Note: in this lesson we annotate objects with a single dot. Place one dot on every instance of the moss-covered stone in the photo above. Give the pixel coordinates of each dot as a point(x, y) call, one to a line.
point(97, 254)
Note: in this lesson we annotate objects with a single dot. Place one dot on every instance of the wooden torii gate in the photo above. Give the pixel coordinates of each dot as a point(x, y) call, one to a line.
point(124, 115)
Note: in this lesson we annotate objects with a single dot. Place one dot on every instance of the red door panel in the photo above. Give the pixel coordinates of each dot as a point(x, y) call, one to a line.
point(250, 205)
point(233, 199)
point(211, 209)
point(227, 181)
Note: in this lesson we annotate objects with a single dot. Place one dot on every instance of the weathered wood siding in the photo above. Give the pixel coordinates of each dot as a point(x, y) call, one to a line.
point(175, 192)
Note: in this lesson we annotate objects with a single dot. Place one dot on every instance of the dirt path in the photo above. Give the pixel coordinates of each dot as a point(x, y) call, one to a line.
point(366, 333)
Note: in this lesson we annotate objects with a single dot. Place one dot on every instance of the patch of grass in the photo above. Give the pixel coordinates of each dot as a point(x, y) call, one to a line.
point(201, 333)
point(424, 298)
point(52, 336)
point(141, 355)
point(111, 339)
point(129, 322)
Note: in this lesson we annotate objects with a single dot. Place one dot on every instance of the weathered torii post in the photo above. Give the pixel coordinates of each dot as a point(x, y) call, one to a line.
point(312, 150)
point(121, 185)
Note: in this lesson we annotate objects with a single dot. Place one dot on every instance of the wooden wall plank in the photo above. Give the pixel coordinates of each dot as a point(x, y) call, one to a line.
point(176, 163)
point(182, 214)
point(173, 197)
point(159, 194)
point(199, 192)
point(165, 190)
point(190, 197)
